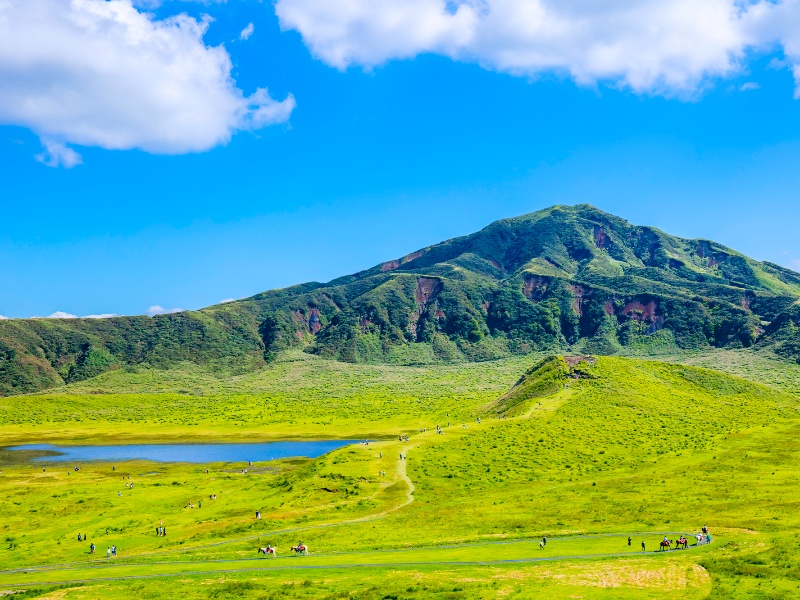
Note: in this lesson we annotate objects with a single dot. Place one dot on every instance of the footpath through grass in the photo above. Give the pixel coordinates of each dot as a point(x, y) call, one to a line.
point(631, 446)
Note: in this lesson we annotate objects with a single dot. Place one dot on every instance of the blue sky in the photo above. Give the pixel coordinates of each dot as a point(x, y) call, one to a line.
point(383, 151)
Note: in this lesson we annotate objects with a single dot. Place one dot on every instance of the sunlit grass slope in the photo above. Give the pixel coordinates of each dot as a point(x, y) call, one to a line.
point(609, 446)
point(297, 396)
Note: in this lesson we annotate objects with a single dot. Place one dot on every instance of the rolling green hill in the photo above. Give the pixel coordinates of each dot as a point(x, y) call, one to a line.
point(565, 278)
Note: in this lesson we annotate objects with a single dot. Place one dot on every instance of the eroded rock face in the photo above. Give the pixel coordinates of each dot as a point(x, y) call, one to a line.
point(427, 289)
point(601, 239)
point(390, 265)
point(314, 324)
point(703, 249)
point(307, 321)
point(581, 294)
point(535, 287)
point(396, 264)
point(645, 313)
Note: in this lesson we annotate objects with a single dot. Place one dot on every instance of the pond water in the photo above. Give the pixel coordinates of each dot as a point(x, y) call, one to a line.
point(191, 453)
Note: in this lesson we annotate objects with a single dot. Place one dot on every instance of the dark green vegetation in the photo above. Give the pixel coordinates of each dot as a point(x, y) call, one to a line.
point(565, 278)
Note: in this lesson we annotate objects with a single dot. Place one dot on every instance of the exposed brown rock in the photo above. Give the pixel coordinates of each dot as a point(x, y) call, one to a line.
point(601, 239)
point(390, 265)
point(581, 294)
point(574, 360)
point(644, 313)
point(427, 289)
point(534, 287)
point(409, 257)
point(314, 324)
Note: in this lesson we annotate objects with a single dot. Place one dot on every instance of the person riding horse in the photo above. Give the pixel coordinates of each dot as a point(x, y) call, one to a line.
point(301, 548)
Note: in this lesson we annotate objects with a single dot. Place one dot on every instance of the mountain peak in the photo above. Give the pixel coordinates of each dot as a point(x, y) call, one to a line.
point(565, 277)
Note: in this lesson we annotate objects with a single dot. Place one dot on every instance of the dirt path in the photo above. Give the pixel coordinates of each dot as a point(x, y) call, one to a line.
point(296, 564)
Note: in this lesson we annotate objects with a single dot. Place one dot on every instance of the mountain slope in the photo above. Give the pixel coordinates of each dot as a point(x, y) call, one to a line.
point(561, 278)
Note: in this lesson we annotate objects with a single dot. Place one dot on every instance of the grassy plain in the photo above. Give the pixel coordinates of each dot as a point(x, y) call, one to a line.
point(634, 448)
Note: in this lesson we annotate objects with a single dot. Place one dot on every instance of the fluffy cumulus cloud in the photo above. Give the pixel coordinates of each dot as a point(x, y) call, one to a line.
point(104, 73)
point(650, 46)
point(160, 310)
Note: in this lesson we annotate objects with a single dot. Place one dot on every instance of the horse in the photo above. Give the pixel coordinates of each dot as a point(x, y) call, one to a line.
point(665, 544)
point(267, 551)
point(300, 549)
point(682, 542)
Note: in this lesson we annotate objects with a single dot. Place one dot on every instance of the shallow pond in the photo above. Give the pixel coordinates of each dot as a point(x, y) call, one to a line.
point(190, 453)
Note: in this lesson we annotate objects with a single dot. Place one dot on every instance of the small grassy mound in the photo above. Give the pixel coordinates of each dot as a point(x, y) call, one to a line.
point(543, 379)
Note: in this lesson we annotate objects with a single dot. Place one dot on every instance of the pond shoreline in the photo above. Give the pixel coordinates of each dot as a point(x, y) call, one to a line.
point(198, 453)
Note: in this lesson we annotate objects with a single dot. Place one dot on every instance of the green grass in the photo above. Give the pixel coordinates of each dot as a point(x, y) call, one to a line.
point(632, 447)
point(298, 396)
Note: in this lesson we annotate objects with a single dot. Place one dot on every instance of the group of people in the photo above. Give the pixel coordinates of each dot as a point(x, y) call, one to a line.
point(82, 537)
point(161, 531)
point(704, 537)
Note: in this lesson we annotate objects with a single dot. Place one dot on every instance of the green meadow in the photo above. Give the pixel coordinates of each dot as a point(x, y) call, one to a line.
point(589, 454)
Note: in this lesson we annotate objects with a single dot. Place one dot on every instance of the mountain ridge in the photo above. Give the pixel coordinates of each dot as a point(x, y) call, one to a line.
point(565, 278)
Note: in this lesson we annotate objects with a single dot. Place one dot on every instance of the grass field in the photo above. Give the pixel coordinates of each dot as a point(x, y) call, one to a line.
point(633, 447)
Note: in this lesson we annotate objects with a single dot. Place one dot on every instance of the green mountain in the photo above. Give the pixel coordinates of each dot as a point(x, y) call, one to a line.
point(571, 279)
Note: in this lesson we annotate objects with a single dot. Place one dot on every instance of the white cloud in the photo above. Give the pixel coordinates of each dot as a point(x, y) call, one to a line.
point(227, 300)
point(160, 310)
point(57, 154)
point(247, 32)
point(3, 318)
point(748, 86)
point(60, 314)
point(649, 46)
point(102, 73)
point(102, 316)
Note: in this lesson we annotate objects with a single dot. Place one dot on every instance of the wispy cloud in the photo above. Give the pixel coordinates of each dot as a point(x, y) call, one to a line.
point(748, 86)
point(57, 154)
point(227, 300)
point(247, 32)
point(3, 318)
point(160, 310)
point(102, 316)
